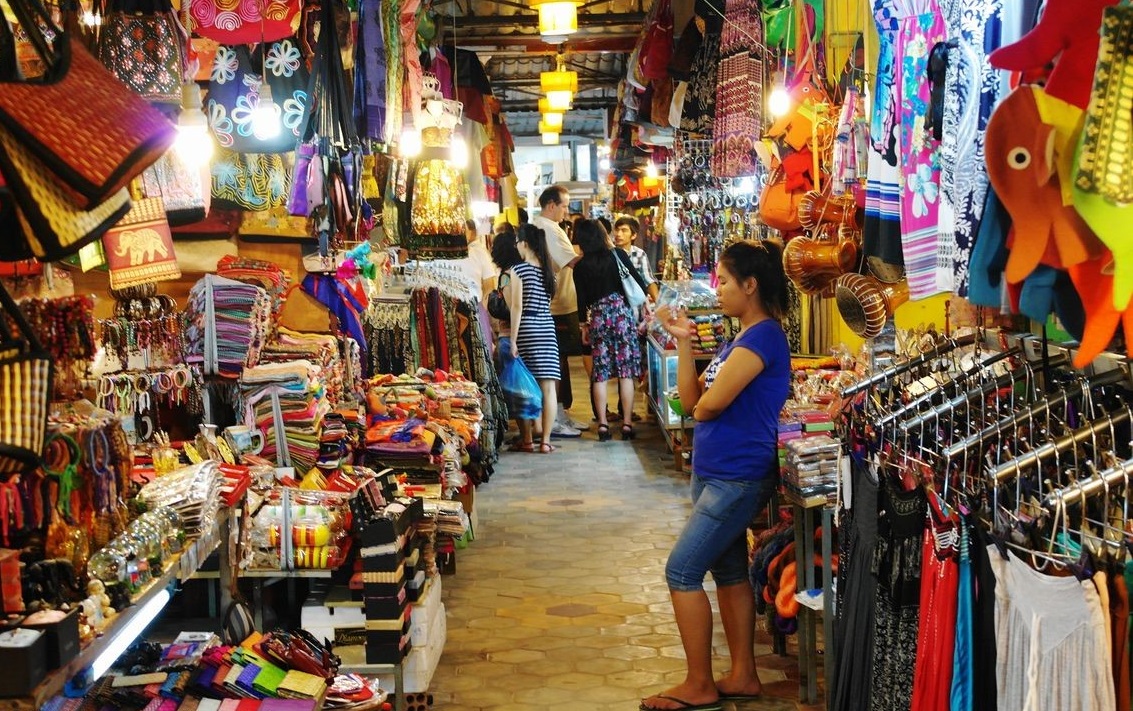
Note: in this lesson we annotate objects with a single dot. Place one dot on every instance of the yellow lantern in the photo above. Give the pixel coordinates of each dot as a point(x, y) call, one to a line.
point(553, 120)
point(558, 19)
point(559, 100)
point(544, 127)
point(559, 80)
point(550, 139)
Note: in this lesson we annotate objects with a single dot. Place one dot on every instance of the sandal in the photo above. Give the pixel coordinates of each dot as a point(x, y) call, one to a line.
point(546, 448)
point(628, 432)
point(603, 433)
point(528, 447)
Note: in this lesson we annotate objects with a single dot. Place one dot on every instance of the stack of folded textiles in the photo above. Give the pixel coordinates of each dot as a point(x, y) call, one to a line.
point(318, 348)
point(241, 322)
point(269, 276)
point(302, 404)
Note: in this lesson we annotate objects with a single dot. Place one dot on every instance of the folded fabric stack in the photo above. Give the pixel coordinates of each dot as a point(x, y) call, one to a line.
point(228, 323)
point(192, 491)
point(297, 387)
point(267, 275)
point(320, 349)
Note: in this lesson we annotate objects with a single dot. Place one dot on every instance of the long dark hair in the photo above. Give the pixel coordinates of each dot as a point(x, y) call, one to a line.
point(536, 241)
point(763, 261)
point(504, 252)
point(590, 237)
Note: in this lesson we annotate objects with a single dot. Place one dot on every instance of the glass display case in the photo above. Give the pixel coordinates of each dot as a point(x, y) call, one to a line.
point(713, 329)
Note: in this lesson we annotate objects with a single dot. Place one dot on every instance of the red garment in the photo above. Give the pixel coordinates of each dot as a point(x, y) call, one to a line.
point(936, 637)
point(1119, 627)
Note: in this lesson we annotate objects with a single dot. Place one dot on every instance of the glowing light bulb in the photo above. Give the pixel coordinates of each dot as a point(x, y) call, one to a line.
point(459, 151)
point(779, 103)
point(410, 144)
point(603, 163)
point(651, 170)
point(266, 122)
point(194, 143)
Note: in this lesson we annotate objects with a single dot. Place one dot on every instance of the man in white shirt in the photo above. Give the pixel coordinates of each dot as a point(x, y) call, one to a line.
point(553, 209)
point(478, 265)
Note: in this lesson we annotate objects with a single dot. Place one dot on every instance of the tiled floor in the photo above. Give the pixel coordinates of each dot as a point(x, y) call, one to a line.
point(560, 602)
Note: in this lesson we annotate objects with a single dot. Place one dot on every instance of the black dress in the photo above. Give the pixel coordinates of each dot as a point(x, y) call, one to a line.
point(857, 588)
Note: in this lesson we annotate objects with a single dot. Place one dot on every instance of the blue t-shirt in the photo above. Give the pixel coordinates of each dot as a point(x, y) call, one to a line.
point(741, 444)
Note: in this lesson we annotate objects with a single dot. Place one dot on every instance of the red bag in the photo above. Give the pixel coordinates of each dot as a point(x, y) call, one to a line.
point(238, 22)
point(658, 48)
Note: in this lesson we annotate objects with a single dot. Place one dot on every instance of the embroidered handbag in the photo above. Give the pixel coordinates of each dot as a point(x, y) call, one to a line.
point(143, 45)
point(25, 385)
point(234, 22)
point(180, 187)
point(235, 88)
point(139, 249)
point(90, 133)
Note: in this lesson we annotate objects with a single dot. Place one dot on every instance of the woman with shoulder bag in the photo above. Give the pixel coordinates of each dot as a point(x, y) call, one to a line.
point(735, 470)
point(609, 321)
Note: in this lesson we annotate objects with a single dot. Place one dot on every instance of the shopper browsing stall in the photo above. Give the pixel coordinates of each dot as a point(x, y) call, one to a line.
point(736, 404)
point(564, 304)
point(532, 329)
point(609, 325)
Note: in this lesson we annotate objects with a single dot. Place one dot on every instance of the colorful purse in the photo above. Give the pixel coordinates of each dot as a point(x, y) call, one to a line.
point(233, 22)
point(139, 249)
point(91, 133)
point(25, 381)
point(778, 206)
point(179, 185)
point(236, 86)
point(143, 45)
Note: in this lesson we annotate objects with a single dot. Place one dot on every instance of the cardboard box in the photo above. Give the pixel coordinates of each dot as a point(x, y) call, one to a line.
point(61, 639)
point(24, 666)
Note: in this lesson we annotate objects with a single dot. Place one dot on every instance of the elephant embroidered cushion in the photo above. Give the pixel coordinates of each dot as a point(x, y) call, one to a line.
point(139, 249)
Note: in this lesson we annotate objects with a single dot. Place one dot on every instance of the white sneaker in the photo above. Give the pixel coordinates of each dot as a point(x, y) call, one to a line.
point(562, 430)
point(564, 417)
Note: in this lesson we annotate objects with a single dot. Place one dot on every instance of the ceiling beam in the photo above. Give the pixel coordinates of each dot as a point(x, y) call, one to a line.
point(584, 20)
point(621, 43)
point(576, 105)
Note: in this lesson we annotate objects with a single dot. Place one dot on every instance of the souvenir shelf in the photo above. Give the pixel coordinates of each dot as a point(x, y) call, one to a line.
point(661, 353)
point(131, 622)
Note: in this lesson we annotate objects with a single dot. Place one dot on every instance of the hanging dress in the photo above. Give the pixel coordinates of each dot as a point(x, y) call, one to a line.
point(857, 588)
point(882, 233)
point(920, 27)
point(971, 92)
point(897, 565)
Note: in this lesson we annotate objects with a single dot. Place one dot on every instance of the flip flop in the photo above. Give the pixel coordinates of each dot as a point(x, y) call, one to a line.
point(684, 705)
point(739, 697)
point(543, 448)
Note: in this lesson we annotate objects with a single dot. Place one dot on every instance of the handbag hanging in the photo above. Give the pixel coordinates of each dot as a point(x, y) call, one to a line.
point(90, 133)
point(233, 22)
point(179, 185)
point(143, 44)
point(635, 295)
point(25, 382)
point(497, 303)
point(235, 87)
point(139, 249)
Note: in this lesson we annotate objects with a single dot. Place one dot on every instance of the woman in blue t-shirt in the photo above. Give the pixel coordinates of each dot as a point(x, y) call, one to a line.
point(735, 469)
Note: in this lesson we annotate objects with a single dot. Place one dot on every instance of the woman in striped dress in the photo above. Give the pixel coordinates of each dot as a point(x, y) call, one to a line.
point(533, 330)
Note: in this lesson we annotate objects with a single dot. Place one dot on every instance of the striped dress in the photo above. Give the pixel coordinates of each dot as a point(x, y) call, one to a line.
point(536, 340)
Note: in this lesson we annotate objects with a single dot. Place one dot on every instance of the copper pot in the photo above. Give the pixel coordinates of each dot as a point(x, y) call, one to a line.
point(817, 208)
point(866, 303)
point(811, 263)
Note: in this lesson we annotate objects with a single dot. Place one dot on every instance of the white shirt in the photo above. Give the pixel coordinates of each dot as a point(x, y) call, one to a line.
point(478, 265)
point(562, 253)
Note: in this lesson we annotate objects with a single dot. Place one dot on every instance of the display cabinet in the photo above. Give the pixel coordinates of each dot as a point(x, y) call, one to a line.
point(713, 329)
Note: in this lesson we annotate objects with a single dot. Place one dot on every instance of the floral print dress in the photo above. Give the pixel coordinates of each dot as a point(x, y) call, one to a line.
point(920, 25)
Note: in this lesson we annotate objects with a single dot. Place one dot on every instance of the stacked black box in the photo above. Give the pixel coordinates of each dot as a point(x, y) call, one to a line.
point(387, 563)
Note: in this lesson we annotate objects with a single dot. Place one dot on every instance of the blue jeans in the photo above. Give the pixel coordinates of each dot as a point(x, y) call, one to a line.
point(715, 537)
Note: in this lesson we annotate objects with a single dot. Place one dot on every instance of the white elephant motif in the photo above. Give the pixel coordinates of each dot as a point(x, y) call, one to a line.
point(142, 245)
